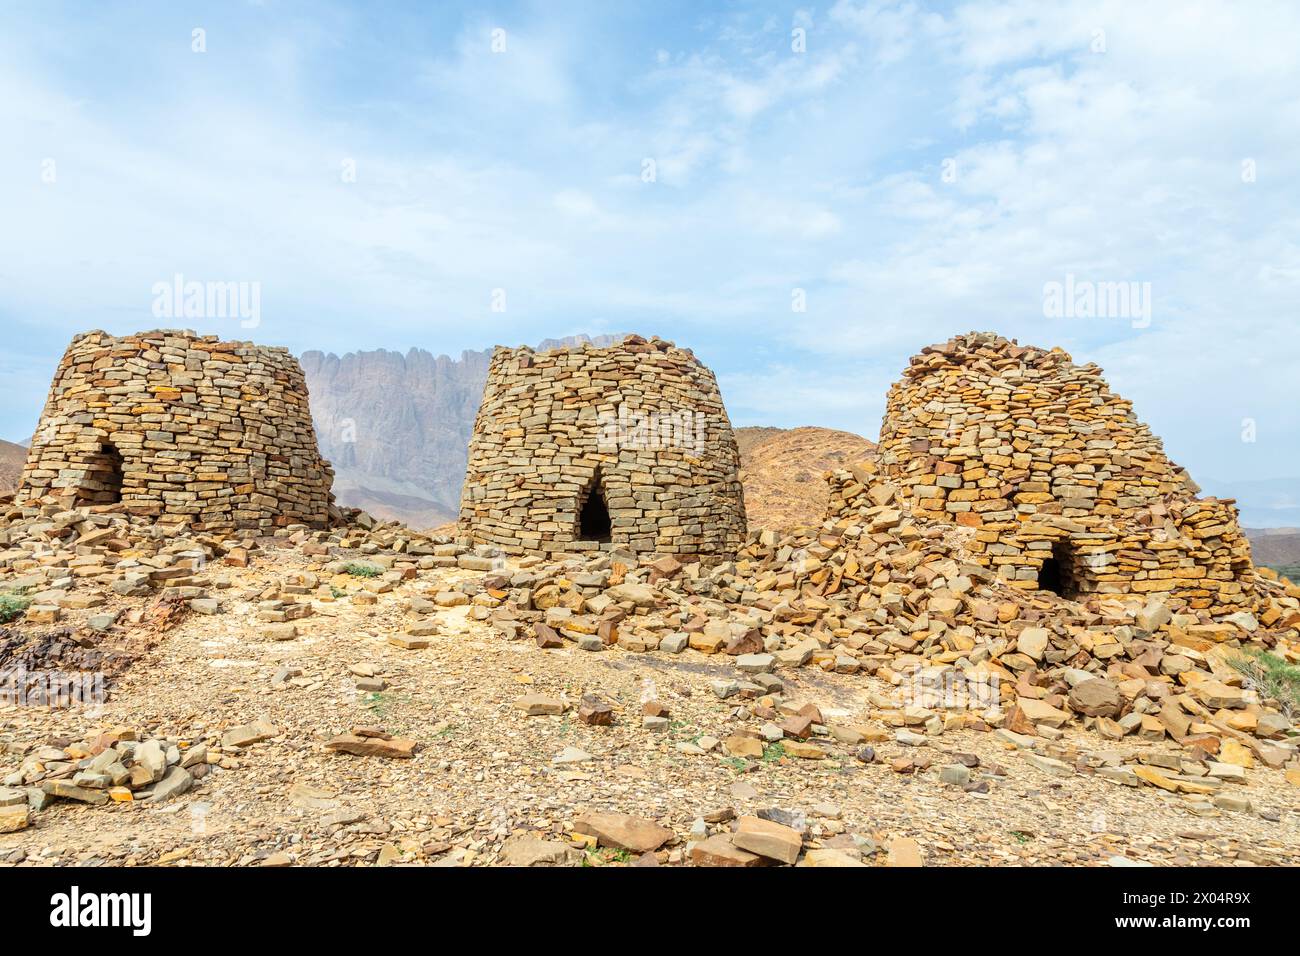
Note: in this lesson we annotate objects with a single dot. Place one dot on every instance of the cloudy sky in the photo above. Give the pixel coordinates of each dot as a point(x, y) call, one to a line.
point(805, 195)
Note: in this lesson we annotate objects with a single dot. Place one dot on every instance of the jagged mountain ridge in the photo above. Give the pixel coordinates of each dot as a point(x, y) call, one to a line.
point(397, 426)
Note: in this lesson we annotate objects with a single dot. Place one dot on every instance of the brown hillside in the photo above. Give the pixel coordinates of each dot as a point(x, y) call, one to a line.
point(782, 470)
point(747, 438)
point(1274, 546)
point(414, 512)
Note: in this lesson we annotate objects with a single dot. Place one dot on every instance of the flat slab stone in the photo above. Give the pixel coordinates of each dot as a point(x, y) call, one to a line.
point(397, 747)
point(720, 851)
point(623, 831)
point(246, 735)
point(768, 839)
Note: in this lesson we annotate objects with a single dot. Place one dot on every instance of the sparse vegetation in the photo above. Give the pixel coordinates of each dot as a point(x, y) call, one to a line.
point(603, 856)
point(774, 753)
point(12, 605)
point(359, 570)
point(1271, 677)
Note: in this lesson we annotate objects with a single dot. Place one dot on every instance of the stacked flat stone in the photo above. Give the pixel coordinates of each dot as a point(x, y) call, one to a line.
point(1037, 459)
point(167, 423)
point(550, 433)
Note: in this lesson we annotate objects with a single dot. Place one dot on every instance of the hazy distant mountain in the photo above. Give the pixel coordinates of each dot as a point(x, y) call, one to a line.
point(12, 458)
point(1275, 547)
point(397, 427)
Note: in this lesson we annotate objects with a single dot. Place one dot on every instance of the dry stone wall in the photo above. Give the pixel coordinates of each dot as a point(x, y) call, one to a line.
point(626, 446)
point(1055, 482)
point(167, 423)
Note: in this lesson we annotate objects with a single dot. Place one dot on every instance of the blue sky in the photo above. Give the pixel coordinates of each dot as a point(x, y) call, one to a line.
point(915, 170)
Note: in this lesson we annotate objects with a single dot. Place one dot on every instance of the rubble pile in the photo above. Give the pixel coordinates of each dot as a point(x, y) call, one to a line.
point(119, 766)
point(896, 599)
point(83, 559)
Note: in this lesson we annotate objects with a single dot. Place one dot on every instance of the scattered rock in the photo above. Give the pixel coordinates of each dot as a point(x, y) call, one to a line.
point(624, 832)
point(904, 851)
point(246, 735)
point(367, 746)
point(767, 839)
point(536, 705)
point(594, 711)
point(721, 851)
point(523, 850)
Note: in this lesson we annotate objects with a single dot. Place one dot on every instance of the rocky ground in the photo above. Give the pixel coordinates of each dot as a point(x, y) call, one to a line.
point(507, 768)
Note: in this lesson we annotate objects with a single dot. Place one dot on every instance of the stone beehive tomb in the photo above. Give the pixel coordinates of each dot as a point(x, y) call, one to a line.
point(1058, 484)
point(620, 446)
point(168, 423)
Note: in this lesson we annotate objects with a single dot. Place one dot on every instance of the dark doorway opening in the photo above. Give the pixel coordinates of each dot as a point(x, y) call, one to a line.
point(1049, 577)
point(1057, 573)
point(103, 484)
point(593, 516)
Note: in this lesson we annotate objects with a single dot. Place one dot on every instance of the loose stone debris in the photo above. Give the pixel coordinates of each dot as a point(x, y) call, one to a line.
point(871, 691)
point(119, 765)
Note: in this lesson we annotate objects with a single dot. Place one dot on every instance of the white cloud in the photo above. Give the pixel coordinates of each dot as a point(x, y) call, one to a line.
point(890, 25)
point(786, 396)
point(494, 63)
point(576, 203)
point(777, 216)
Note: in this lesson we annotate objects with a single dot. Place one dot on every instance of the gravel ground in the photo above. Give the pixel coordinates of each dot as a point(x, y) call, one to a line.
point(485, 770)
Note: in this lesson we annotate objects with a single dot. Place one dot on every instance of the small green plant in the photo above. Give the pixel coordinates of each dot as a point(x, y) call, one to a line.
point(391, 708)
point(1020, 836)
point(604, 856)
point(358, 570)
point(737, 764)
point(773, 752)
point(12, 605)
point(1270, 677)
point(337, 593)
